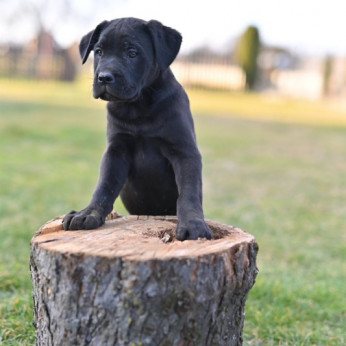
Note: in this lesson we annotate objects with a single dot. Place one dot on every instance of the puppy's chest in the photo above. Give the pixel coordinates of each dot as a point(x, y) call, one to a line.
point(147, 154)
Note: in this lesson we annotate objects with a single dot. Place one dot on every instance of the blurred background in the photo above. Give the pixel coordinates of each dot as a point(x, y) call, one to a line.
point(294, 48)
point(267, 84)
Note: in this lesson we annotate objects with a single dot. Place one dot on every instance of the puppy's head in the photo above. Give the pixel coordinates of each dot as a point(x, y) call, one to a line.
point(129, 54)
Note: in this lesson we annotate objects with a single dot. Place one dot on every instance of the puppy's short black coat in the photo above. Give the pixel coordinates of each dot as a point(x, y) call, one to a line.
point(151, 158)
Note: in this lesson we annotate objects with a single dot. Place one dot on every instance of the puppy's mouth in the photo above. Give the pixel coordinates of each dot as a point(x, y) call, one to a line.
point(107, 93)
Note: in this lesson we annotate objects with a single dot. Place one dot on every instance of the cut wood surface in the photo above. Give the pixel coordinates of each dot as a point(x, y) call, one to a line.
point(130, 282)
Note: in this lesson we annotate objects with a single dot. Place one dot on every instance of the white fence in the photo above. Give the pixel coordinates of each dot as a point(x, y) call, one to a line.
point(298, 83)
point(214, 75)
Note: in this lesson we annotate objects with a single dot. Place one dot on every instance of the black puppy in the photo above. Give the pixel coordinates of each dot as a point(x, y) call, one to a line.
point(151, 158)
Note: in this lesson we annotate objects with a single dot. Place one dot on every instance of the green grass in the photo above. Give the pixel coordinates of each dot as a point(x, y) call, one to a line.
point(275, 168)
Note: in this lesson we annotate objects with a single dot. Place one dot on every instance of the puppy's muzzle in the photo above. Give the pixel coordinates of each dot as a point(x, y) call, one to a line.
point(112, 86)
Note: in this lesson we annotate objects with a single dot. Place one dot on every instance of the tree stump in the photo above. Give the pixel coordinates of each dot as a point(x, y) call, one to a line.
point(130, 282)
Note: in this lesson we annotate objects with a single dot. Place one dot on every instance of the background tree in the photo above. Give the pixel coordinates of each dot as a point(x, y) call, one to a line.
point(246, 53)
point(327, 72)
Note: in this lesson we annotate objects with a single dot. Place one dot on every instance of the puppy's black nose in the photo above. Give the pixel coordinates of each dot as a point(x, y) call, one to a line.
point(105, 78)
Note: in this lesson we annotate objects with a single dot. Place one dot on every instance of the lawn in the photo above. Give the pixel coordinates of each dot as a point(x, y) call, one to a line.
point(273, 167)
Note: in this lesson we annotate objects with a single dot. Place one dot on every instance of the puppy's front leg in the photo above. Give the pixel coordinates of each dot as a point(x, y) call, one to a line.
point(188, 175)
point(113, 172)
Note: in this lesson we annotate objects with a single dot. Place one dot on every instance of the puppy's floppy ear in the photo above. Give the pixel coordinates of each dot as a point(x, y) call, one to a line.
point(166, 43)
point(88, 41)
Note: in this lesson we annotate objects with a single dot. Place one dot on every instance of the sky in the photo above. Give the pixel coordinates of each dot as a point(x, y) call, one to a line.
point(305, 26)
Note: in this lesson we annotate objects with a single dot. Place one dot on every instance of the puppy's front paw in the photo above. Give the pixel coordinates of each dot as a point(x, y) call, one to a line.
point(193, 229)
point(87, 218)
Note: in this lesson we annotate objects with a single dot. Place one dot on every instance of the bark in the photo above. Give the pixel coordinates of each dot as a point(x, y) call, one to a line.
point(130, 282)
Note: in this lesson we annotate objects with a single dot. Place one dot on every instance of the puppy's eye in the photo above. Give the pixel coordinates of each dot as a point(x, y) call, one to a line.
point(131, 53)
point(98, 51)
